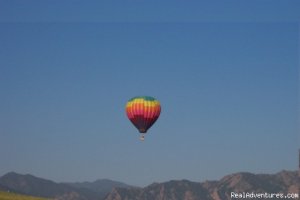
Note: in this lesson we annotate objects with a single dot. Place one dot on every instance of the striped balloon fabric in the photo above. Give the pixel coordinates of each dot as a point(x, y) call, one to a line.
point(143, 111)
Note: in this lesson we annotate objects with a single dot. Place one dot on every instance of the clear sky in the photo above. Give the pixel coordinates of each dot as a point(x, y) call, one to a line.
point(226, 77)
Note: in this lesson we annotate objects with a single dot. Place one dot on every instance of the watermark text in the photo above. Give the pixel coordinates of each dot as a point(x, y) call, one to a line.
point(265, 195)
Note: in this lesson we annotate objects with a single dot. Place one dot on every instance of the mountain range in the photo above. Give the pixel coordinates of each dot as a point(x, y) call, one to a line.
point(235, 184)
point(103, 189)
point(35, 186)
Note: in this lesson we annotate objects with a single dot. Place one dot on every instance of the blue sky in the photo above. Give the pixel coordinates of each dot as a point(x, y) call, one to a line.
point(227, 81)
point(148, 11)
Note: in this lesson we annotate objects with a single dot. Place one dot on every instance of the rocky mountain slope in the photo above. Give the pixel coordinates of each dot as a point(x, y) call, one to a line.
point(239, 183)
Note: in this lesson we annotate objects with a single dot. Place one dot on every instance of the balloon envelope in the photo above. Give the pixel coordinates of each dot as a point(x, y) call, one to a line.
point(143, 111)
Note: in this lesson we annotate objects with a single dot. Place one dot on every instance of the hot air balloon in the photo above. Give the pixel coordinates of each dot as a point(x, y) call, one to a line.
point(143, 111)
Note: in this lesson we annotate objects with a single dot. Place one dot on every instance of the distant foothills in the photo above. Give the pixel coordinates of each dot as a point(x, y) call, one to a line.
point(284, 182)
